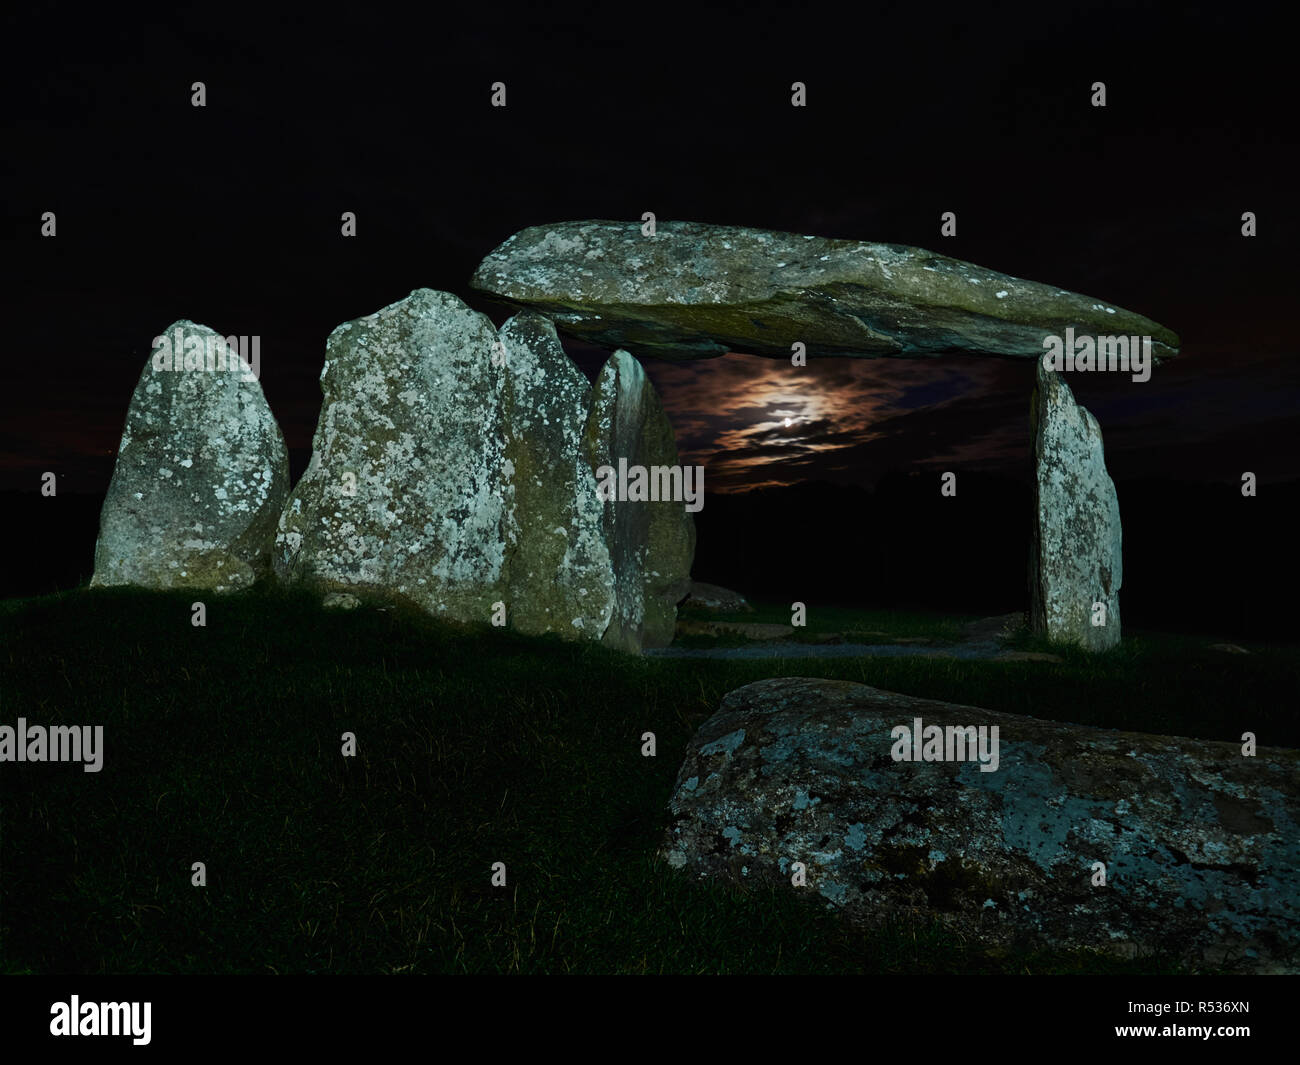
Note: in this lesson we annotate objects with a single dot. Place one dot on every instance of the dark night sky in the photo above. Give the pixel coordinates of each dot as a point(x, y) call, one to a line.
point(229, 215)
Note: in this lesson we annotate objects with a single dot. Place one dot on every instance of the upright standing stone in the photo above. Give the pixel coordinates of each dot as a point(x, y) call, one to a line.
point(405, 489)
point(1075, 565)
point(561, 578)
point(201, 474)
point(652, 543)
point(455, 467)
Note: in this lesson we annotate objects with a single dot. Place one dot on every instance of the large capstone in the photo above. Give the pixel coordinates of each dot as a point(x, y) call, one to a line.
point(1036, 834)
point(1075, 564)
point(456, 468)
point(652, 541)
point(693, 290)
point(201, 473)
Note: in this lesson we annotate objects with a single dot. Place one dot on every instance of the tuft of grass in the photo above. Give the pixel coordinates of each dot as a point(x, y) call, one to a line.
point(475, 746)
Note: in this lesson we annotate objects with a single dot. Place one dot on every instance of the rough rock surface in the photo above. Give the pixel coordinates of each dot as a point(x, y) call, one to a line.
point(1075, 558)
point(695, 290)
point(561, 577)
point(201, 474)
point(457, 474)
point(405, 490)
point(652, 544)
point(1201, 844)
point(716, 599)
point(749, 629)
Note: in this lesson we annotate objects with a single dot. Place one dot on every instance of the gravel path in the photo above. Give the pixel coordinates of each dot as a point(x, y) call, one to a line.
point(983, 641)
point(786, 649)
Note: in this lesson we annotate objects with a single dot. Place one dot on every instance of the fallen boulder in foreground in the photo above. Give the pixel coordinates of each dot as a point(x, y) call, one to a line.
point(1004, 837)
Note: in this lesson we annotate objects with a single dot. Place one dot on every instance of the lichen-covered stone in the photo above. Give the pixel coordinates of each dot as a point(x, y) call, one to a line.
point(455, 468)
point(694, 290)
point(750, 630)
point(652, 544)
point(1200, 843)
point(201, 474)
point(1076, 560)
point(405, 491)
point(715, 599)
point(560, 575)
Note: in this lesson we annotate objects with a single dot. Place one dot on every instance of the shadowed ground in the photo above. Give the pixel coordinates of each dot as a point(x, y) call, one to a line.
point(222, 745)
